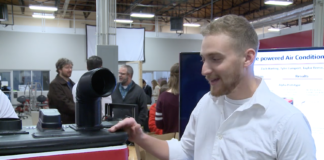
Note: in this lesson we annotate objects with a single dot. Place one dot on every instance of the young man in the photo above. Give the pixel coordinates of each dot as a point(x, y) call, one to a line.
point(60, 91)
point(240, 118)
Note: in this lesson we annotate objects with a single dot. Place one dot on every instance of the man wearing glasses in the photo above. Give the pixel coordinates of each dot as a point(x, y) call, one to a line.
point(128, 92)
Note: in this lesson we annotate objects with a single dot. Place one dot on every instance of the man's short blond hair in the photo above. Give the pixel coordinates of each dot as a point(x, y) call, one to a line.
point(236, 27)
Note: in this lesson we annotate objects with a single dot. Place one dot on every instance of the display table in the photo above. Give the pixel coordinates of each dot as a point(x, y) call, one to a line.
point(100, 153)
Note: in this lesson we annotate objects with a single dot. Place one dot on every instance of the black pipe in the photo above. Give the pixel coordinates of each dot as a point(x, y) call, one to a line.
point(91, 87)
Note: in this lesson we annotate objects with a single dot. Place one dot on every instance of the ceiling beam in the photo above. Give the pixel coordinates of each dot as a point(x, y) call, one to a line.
point(86, 14)
point(57, 3)
point(133, 6)
point(21, 2)
point(75, 4)
point(198, 8)
point(65, 7)
point(289, 8)
point(238, 5)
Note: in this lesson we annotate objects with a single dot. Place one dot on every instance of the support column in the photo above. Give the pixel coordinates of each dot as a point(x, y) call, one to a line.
point(318, 25)
point(106, 34)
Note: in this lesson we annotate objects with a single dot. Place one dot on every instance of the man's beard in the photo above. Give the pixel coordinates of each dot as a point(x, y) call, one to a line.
point(124, 81)
point(66, 75)
point(228, 84)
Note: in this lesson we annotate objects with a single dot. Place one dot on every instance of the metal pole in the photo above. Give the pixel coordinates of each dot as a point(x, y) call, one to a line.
point(212, 8)
point(318, 24)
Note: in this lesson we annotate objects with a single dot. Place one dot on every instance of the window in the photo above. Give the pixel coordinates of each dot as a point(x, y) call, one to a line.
point(22, 78)
point(161, 75)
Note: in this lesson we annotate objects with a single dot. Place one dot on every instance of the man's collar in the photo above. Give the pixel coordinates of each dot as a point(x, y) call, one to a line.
point(60, 79)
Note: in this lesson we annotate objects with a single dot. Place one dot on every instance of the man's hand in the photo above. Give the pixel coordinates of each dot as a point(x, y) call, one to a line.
point(132, 128)
point(158, 148)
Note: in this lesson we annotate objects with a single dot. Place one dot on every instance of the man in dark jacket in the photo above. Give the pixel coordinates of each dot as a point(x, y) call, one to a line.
point(148, 92)
point(60, 91)
point(128, 92)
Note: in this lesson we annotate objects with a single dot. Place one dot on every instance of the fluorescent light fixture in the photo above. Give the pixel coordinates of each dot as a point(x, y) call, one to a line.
point(43, 8)
point(279, 2)
point(123, 21)
point(142, 15)
point(41, 15)
point(191, 25)
point(274, 29)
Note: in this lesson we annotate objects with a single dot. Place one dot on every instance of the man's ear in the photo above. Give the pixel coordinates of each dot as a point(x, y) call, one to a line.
point(249, 57)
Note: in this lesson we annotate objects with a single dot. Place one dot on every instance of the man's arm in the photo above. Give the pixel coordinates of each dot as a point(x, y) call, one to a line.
point(142, 107)
point(172, 149)
point(295, 140)
point(159, 114)
point(65, 105)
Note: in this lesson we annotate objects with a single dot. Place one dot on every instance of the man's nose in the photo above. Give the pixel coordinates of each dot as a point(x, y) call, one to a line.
point(205, 69)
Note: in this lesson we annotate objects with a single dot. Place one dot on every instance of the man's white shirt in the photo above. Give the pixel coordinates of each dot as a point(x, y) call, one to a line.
point(266, 127)
point(6, 109)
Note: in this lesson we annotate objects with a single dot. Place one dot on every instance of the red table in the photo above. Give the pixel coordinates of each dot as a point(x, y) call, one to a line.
point(100, 153)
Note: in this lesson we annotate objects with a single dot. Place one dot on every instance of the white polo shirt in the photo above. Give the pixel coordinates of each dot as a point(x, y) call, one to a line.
point(6, 109)
point(264, 128)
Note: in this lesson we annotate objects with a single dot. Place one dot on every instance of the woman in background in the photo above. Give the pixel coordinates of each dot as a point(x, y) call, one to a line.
point(152, 124)
point(156, 90)
point(167, 106)
point(163, 82)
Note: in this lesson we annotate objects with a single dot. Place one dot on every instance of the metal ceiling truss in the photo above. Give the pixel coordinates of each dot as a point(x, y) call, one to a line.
point(253, 10)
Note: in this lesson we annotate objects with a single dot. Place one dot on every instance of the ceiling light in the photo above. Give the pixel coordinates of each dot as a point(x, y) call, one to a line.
point(274, 29)
point(279, 2)
point(142, 15)
point(123, 21)
point(43, 8)
point(42, 15)
point(191, 25)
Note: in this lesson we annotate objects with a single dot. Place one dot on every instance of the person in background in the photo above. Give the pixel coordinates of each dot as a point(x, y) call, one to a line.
point(240, 118)
point(60, 91)
point(167, 106)
point(163, 83)
point(128, 92)
point(156, 91)
point(6, 109)
point(93, 62)
point(152, 124)
point(148, 91)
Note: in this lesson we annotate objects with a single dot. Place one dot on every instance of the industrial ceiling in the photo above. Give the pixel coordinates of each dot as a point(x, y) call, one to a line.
point(191, 10)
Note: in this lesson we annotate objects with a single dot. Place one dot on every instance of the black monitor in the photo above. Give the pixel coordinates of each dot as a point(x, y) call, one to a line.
point(193, 86)
point(119, 111)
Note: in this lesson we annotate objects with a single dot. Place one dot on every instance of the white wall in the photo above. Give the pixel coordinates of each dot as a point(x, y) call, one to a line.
point(29, 49)
point(40, 51)
point(162, 53)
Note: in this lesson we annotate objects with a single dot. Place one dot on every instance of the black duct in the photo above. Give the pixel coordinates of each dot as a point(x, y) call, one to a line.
point(91, 87)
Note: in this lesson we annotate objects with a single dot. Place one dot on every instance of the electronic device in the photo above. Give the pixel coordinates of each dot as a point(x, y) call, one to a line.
point(51, 135)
